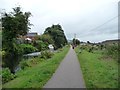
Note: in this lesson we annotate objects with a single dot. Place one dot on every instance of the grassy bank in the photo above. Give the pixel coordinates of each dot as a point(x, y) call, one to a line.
point(98, 71)
point(37, 75)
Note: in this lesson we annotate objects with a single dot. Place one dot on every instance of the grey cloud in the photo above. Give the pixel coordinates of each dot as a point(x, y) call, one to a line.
point(77, 16)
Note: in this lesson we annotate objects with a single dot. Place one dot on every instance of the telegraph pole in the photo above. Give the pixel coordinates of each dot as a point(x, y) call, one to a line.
point(74, 35)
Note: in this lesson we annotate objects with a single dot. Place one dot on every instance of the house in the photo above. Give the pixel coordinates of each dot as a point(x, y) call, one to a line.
point(27, 38)
point(31, 36)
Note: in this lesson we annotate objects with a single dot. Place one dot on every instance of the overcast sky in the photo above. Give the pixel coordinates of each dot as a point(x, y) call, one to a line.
point(85, 18)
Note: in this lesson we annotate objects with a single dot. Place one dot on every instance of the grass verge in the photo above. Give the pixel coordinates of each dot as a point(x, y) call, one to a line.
point(37, 75)
point(98, 72)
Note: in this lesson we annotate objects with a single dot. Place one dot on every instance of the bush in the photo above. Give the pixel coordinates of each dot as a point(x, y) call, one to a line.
point(24, 64)
point(11, 55)
point(40, 45)
point(90, 50)
point(113, 50)
point(2, 56)
point(46, 54)
point(27, 48)
point(7, 75)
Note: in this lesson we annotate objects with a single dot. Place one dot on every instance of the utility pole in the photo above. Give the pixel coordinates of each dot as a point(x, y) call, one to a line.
point(74, 35)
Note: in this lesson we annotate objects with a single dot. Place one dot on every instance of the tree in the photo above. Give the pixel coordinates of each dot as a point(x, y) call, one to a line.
point(43, 41)
point(76, 42)
point(57, 34)
point(88, 42)
point(46, 38)
point(15, 24)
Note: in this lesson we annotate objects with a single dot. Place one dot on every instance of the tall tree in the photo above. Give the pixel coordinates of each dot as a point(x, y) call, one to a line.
point(14, 25)
point(75, 42)
point(46, 38)
point(57, 34)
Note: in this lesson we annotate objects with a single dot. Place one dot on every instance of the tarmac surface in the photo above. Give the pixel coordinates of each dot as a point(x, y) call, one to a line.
point(68, 74)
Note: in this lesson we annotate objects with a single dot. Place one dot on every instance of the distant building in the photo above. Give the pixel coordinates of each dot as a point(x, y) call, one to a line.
point(31, 36)
point(27, 38)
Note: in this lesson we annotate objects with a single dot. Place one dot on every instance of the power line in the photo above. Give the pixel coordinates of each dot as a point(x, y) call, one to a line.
point(105, 23)
point(101, 25)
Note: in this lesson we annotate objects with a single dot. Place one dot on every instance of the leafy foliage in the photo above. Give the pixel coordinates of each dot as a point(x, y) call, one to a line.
point(14, 24)
point(46, 38)
point(7, 75)
point(24, 64)
point(12, 56)
point(27, 48)
point(57, 34)
point(40, 45)
point(46, 54)
point(113, 50)
point(76, 42)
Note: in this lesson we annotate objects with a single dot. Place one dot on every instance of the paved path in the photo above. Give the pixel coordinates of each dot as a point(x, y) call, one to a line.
point(68, 74)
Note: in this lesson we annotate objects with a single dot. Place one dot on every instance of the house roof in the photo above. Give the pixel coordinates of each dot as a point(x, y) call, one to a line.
point(32, 34)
